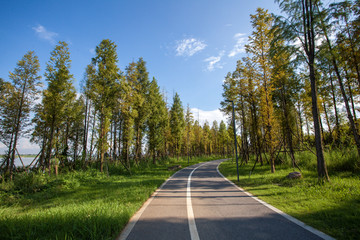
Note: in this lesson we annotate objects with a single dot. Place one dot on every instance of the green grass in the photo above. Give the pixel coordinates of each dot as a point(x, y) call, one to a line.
point(78, 205)
point(333, 208)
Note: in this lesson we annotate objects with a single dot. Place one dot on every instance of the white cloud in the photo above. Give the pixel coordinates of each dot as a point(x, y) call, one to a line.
point(190, 46)
point(45, 34)
point(214, 61)
point(92, 51)
point(239, 45)
point(209, 116)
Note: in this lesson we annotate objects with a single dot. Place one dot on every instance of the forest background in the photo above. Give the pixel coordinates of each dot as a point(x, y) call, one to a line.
point(296, 99)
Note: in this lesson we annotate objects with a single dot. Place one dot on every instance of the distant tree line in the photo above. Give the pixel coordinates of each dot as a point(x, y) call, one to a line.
point(118, 116)
point(301, 71)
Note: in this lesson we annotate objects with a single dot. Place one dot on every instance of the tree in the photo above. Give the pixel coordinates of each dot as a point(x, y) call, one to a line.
point(177, 124)
point(25, 81)
point(128, 113)
point(8, 102)
point(334, 60)
point(286, 85)
point(189, 121)
point(57, 98)
point(215, 137)
point(223, 138)
point(103, 88)
point(142, 105)
point(301, 24)
point(259, 47)
point(156, 121)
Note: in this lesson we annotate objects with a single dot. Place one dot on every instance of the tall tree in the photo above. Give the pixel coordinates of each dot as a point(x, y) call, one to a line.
point(189, 121)
point(58, 96)
point(103, 88)
point(142, 106)
point(8, 106)
point(259, 47)
point(128, 112)
point(177, 124)
point(334, 59)
point(26, 81)
point(157, 120)
point(301, 24)
point(286, 85)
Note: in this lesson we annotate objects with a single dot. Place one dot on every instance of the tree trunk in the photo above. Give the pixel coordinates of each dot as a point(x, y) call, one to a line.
point(86, 130)
point(327, 121)
point(48, 154)
point(17, 128)
point(102, 140)
point(350, 95)
point(337, 124)
point(310, 51)
point(92, 135)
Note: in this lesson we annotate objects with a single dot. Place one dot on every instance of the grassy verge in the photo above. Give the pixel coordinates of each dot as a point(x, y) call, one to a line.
point(333, 208)
point(78, 205)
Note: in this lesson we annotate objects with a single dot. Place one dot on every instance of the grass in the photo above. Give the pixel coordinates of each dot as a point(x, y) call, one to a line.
point(333, 208)
point(78, 205)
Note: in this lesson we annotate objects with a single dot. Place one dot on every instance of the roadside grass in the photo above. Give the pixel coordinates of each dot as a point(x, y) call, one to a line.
point(81, 204)
point(333, 208)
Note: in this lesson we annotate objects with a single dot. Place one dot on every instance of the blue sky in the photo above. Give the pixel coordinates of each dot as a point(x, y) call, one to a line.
point(189, 45)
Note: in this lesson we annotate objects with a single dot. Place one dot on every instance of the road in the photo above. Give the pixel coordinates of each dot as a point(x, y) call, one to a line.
point(199, 203)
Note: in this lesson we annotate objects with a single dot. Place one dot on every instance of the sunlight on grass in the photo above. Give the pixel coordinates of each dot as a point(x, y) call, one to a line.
point(333, 208)
point(78, 205)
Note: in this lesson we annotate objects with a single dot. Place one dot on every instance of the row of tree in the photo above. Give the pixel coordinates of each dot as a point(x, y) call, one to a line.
point(118, 116)
point(301, 66)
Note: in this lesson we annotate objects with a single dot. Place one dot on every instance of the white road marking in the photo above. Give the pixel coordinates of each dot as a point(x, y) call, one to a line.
point(290, 218)
point(191, 219)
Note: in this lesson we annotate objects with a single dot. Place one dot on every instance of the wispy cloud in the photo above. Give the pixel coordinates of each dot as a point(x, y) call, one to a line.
point(239, 45)
point(189, 46)
point(45, 34)
point(214, 61)
point(92, 51)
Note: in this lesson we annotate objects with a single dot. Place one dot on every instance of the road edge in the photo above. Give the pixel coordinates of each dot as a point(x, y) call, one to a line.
point(133, 220)
point(285, 215)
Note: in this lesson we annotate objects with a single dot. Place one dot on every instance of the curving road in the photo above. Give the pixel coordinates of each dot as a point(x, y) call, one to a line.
point(199, 203)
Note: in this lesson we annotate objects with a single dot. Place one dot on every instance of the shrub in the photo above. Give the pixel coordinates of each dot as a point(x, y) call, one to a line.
point(29, 182)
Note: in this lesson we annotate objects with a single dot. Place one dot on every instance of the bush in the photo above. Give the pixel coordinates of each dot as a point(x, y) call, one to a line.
point(342, 160)
point(29, 182)
point(306, 160)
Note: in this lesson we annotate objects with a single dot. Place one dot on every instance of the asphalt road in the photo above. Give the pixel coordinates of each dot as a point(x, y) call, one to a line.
point(199, 203)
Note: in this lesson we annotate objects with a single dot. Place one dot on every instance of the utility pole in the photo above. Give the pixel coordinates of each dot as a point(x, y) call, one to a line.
point(235, 140)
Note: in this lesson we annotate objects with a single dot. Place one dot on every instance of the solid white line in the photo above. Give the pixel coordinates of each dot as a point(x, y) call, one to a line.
point(191, 219)
point(290, 218)
point(133, 220)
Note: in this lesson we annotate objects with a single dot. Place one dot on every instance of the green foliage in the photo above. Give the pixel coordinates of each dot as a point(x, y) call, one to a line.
point(53, 114)
point(156, 122)
point(104, 87)
point(29, 182)
point(16, 103)
point(177, 123)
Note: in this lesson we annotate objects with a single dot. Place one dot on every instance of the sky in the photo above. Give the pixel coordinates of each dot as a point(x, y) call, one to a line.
point(189, 46)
